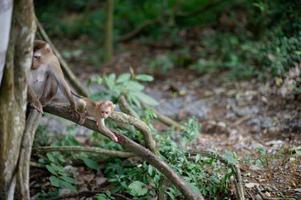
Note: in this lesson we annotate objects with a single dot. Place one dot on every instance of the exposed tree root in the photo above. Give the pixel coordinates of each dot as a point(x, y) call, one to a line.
point(32, 123)
point(137, 149)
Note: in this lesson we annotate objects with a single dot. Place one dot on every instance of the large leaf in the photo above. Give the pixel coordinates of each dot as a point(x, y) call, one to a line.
point(134, 86)
point(137, 189)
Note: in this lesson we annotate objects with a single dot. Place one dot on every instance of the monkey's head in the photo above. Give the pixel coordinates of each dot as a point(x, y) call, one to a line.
point(105, 109)
point(40, 51)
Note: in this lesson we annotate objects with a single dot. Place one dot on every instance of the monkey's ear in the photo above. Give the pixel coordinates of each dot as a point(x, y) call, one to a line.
point(47, 48)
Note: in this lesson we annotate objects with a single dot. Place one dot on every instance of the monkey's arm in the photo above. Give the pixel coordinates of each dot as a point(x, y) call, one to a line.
point(50, 88)
point(100, 122)
point(34, 100)
point(57, 74)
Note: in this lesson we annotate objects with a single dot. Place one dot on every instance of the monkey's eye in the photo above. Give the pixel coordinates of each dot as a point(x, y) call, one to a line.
point(36, 57)
point(107, 113)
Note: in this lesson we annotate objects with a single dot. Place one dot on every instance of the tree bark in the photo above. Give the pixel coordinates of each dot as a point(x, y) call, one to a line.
point(13, 91)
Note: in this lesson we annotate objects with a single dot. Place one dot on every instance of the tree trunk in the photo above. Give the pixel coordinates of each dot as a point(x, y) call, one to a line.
point(109, 31)
point(13, 90)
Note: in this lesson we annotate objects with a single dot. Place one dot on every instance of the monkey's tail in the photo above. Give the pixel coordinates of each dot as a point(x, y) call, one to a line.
point(78, 96)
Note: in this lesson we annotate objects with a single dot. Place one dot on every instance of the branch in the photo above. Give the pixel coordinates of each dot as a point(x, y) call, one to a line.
point(95, 150)
point(137, 149)
point(167, 120)
point(78, 86)
point(125, 107)
point(140, 125)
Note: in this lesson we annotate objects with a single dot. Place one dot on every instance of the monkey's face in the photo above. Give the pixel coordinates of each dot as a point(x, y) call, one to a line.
point(105, 109)
point(36, 60)
point(41, 53)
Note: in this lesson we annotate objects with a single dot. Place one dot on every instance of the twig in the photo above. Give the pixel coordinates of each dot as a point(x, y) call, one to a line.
point(179, 182)
point(95, 150)
point(125, 107)
point(167, 120)
point(238, 180)
point(67, 72)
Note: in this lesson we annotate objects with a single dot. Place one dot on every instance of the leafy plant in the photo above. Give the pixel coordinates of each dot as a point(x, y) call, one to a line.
point(127, 85)
point(60, 178)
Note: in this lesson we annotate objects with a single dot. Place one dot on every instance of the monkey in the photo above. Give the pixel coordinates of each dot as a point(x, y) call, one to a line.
point(46, 77)
point(99, 110)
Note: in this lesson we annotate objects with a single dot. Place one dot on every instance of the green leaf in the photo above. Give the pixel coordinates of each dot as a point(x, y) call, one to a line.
point(145, 98)
point(67, 185)
point(144, 77)
point(101, 197)
point(68, 179)
point(90, 163)
point(110, 81)
point(54, 181)
point(51, 157)
point(51, 169)
point(134, 86)
point(123, 78)
point(137, 189)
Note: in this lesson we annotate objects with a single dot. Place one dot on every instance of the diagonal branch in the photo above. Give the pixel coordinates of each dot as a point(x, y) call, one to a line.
point(163, 167)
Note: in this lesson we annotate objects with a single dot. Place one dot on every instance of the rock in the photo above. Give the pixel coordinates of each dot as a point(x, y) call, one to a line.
point(261, 122)
point(199, 108)
point(248, 110)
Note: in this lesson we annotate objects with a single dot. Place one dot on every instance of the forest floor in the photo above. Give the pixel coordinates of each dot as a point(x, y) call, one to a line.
point(244, 117)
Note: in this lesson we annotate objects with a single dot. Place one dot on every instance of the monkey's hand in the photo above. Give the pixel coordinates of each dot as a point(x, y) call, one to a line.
point(36, 104)
point(102, 127)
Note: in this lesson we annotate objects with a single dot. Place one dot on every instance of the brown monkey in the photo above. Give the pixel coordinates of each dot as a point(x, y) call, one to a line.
point(99, 110)
point(46, 77)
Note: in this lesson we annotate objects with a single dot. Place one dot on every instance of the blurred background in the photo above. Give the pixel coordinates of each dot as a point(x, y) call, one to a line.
point(228, 71)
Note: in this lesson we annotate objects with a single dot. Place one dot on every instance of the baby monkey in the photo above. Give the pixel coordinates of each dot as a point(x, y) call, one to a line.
point(99, 110)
